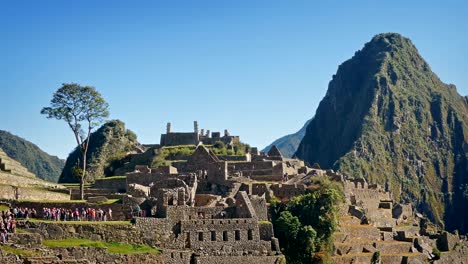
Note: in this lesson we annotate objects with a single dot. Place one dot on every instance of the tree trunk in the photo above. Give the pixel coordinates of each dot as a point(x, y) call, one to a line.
point(84, 152)
point(82, 179)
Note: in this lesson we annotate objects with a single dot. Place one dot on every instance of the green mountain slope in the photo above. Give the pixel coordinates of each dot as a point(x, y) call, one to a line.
point(110, 143)
point(45, 166)
point(288, 144)
point(387, 117)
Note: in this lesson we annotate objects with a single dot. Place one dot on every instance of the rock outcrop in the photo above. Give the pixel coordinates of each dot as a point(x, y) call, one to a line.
point(109, 144)
point(388, 118)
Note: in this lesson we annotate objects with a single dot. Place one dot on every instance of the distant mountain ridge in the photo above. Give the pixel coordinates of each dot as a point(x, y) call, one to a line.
point(288, 144)
point(388, 118)
point(37, 161)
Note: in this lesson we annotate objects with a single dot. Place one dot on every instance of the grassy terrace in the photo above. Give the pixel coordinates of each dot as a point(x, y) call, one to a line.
point(112, 178)
point(112, 247)
point(110, 201)
point(19, 251)
point(75, 185)
point(80, 222)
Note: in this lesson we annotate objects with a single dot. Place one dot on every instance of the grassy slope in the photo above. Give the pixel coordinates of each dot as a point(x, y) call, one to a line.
point(45, 166)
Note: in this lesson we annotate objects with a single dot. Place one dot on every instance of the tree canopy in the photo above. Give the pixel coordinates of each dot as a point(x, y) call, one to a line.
point(80, 107)
point(306, 224)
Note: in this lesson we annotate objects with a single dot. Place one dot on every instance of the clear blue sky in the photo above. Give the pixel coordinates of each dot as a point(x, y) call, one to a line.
point(258, 68)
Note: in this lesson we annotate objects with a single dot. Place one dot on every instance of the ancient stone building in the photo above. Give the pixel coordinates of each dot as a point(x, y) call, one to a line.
point(193, 138)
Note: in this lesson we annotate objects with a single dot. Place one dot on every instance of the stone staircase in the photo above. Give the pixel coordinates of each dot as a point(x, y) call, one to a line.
point(356, 243)
point(367, 229)
point(12, 166)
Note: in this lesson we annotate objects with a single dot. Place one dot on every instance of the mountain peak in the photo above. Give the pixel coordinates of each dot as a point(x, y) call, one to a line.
point(387, 116)
point(390, 42)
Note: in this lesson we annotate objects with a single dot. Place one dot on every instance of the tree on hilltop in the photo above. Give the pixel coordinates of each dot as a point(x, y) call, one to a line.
point(81, 107)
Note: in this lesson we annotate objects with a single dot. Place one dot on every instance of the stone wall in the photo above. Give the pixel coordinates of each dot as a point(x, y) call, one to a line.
point(155, 232)
point(247, 167)
point(8, 192)
point(145, 178)
point(287, 191)
point(114, 184)
point(215, 234)
point(233, 157)
point(239, 259)
point(179, 138)
point(260, 207)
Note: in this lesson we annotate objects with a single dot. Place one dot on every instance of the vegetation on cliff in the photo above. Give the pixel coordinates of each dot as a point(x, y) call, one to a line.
point(45, 166)
point(388, 118)
point(305, 225)
point(110, 143)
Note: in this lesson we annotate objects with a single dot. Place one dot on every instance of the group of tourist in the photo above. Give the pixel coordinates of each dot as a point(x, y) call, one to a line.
point(88, 214)
point(8, 217)
point(7, 225)
point(23, 212)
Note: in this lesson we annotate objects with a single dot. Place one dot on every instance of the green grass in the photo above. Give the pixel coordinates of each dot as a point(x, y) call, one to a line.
point(75, 185)
point(179, 146)
point(19, 251)
point(112, 247)
point(264, 222)
point(54, 201)
point(110, 201)
point(112, 178)
point(82, 222)
point(22, 231)
point(4, 208)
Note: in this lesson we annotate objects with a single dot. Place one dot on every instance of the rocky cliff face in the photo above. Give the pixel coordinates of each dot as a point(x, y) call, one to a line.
point(110, 143)
point(45, 166)
point(289, 143)
point(388, 118)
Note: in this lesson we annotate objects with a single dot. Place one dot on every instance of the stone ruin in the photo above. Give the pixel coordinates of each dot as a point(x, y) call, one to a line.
point(210, 209)
point(371, 221)
point(193, 138)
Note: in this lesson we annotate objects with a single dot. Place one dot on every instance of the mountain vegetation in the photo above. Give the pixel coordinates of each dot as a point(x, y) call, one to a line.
point(288, 144)
point(388, 118)
point(305, 225)
point(45, 166)
point(110, 143)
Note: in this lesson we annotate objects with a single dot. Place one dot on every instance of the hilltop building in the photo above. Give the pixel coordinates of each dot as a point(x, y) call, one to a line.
point(195, 137)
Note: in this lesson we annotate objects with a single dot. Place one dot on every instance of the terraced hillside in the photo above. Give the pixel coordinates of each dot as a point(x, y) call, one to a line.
point(17, 183)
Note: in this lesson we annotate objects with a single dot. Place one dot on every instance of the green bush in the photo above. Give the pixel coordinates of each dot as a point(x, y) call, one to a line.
point(306, 224)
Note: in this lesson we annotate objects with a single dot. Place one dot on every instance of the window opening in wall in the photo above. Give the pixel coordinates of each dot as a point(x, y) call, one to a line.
point(200, 236)
point(213, 235)
point(225, 236)
point(187, 240)
point(237, 234)
point(250, 234)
